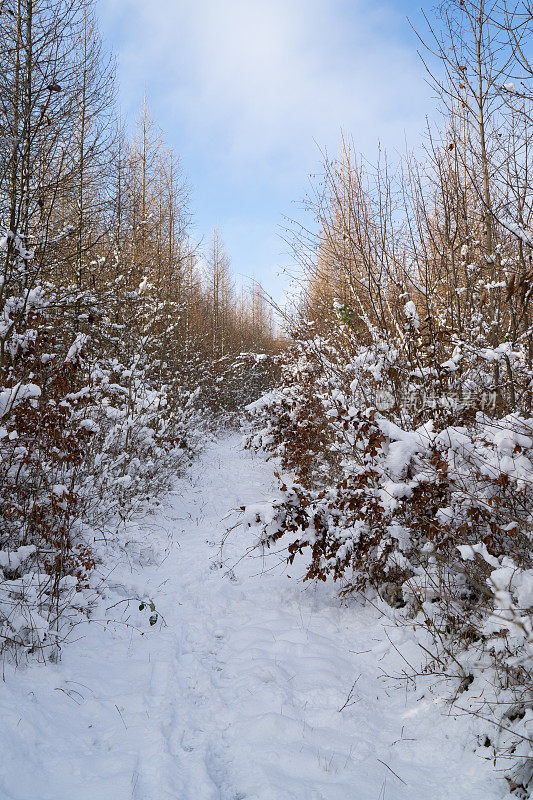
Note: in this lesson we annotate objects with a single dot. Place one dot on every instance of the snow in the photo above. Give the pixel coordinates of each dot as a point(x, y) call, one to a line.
point(412, 314)
point(20, 392)
point(14, 559)
point(89, 425)
point(250, 686)
point(76, 348)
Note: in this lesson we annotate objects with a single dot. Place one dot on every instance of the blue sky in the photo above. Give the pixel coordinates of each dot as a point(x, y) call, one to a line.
point(246, 90)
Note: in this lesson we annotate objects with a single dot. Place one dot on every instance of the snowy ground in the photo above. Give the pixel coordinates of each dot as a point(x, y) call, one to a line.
point(238, 695)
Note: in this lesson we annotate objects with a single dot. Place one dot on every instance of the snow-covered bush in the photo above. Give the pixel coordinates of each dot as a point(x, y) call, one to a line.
point(228, 384)
point(382, 493)
point(80, 451)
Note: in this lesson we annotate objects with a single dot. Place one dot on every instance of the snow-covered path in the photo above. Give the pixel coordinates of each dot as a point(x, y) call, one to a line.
point(238, 696)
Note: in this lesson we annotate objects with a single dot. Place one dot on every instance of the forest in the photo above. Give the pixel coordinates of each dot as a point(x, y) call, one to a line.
point(174, 444)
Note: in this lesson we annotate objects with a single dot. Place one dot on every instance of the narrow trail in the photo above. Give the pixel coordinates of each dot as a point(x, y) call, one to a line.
point(236, 693)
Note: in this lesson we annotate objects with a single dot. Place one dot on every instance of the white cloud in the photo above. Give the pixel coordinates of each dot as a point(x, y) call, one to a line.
point(264, 79)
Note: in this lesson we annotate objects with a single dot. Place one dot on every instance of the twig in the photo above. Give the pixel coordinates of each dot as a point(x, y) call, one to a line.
point(391, 770)
point(121, 717)
point(349, 701)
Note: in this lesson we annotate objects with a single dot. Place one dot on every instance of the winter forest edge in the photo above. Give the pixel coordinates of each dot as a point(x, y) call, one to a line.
point(391, 399)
